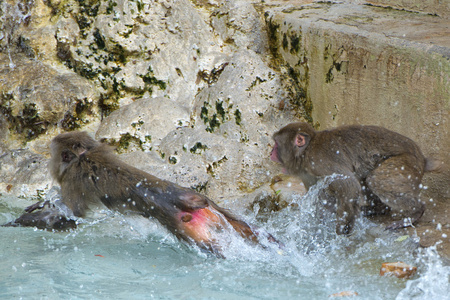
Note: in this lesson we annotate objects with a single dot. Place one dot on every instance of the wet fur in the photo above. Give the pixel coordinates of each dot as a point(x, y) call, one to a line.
point(89, 171)
point(377, 164)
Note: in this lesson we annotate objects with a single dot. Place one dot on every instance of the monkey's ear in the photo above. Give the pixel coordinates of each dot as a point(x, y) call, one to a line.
point(301, 139)
point(67, 156)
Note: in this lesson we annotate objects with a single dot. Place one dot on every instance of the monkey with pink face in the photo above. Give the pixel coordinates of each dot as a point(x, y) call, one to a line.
point(378, 166)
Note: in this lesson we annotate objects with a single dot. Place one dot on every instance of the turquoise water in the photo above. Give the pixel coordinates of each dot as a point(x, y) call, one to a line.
point(117, 257)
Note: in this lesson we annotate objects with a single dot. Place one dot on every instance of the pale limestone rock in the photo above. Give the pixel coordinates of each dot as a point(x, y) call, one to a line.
point(242, 103)
point(144, 49)
point(195, 157)
point(153, 118)
point(67, 31)
point(23, 173)
point(278, 194)
point(37, 97)
point(238, 23)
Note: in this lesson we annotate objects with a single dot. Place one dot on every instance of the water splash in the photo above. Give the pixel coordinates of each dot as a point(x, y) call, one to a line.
point(434, 283)
point(314, 263)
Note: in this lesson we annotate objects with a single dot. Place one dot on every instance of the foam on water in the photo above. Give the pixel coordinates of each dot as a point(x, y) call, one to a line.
point(116, 256)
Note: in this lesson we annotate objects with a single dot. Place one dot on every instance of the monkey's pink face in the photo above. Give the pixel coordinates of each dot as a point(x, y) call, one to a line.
point(274, 154)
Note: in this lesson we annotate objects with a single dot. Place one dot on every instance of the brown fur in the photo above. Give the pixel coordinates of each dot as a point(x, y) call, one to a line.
point(89, 171)
point(376, 163)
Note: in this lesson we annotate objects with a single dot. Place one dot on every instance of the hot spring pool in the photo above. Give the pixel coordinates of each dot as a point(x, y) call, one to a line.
point(113, 257)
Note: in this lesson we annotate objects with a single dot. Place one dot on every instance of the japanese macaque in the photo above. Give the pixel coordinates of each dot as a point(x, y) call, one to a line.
point(376, 166)
point(89, 171)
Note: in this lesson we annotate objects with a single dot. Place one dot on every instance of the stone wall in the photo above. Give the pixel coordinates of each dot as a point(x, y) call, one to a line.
point(440, 8)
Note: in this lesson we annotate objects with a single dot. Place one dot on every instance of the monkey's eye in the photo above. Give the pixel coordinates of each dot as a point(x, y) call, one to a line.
point(67, 156)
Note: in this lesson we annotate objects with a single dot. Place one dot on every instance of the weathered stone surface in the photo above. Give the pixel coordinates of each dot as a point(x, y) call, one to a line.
point(224, 106)
point(285, 186)
point(128, 48)
point(147, 119)
point(35, 98)
point(277, 195)
point(434, 227)
point(238, 23)
point(440, 8)
point(27, 27)
point(23, 173)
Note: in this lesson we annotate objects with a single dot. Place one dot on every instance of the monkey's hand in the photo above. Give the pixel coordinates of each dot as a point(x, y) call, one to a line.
point(37, 205)
point(44, 215)
point(407, 222)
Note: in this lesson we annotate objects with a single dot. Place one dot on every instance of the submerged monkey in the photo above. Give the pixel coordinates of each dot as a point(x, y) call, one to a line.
point(89, 171)
point(379, 166)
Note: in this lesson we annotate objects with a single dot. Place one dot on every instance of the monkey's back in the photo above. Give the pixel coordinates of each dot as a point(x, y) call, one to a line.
point(362, 147)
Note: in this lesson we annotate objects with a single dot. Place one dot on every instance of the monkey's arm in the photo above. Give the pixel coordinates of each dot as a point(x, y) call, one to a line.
point(347, 192)
point(45, 215)
point(73, 195)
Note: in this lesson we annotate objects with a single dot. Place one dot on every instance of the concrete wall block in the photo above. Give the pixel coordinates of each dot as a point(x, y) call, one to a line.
point(440, 8)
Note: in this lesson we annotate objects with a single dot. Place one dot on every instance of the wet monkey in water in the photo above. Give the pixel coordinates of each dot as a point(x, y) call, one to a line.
point(88, 170)
point(376, 166)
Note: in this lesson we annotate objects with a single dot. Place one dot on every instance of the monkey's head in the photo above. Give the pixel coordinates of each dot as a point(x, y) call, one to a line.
point(67, 148)
point(290, 143)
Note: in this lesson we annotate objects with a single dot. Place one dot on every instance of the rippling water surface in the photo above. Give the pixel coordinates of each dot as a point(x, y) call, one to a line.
point(114, 257)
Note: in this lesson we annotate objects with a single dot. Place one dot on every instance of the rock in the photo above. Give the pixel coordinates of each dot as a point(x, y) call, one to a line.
point(127, 49)
point(288, 184)
point(433, 228)
point(149, 120)
point(278, 194)
point(241, 101)
point(238, 23)
point(397, 269)
point(37, 98)
point(27, 25)
point(266, 201)
point(24, 173)
point(440, 8)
